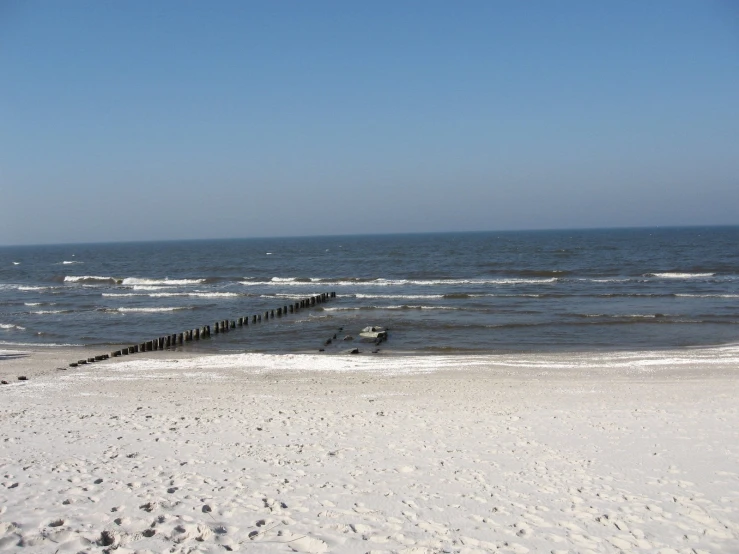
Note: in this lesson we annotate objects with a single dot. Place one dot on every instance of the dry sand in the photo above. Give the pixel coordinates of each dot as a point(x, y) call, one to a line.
point(252, 453)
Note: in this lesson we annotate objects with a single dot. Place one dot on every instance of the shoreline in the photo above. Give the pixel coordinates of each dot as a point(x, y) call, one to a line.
point(260, 453)
point(721, 359)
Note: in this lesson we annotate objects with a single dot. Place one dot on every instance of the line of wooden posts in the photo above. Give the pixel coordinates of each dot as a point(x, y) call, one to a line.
point(205, 332)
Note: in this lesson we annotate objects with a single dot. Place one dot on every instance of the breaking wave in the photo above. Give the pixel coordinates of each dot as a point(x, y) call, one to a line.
point(162, 282)
point(675, 275)
point(401, 282)
point(130, 281)
point(150, 310)
point(400, 307)
point(91, 279)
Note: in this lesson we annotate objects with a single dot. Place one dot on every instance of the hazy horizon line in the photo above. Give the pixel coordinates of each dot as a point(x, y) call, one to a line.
point(407, 233)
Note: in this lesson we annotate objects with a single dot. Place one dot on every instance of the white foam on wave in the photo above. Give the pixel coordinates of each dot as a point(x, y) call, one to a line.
point(196, 294)
point(708, 295)
point(293, 279)
point(16, 263)
point(42, 312)
point(88, 278)
point(671, 275)
point(153, 309)
point(396, 307)
point(65, 262)
point(402, 282)
point(9, 326)
point(161, 282)
point(30, 288)
point(396, 296)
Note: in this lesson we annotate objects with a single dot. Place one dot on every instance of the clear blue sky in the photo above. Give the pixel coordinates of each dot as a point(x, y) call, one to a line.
point(139, 120)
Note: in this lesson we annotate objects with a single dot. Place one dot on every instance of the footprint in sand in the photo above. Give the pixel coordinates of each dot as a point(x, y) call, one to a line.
point(303, 543)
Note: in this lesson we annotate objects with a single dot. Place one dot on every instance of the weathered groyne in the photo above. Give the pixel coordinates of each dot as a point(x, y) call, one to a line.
point(170, 341)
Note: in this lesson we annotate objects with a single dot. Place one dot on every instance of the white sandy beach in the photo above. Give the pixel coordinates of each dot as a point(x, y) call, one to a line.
point(352, 454)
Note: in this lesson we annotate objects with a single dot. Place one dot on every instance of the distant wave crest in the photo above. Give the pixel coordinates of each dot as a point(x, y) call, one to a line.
point(130, 281)
point(161, 282)
point(195, 294)
point(91, 279)
point(400, 307)
point(677, 275)
point(401, 282)
point(152, 310)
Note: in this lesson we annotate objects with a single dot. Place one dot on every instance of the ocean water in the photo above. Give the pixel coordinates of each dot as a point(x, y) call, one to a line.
point(455, 293)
